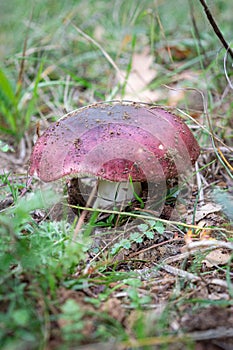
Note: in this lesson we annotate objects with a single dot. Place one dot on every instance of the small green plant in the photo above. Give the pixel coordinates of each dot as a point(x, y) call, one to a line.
point(17, 104)
point(13, 186)
point(71, 320)
point(4, 147)
point(137, 300)
point(151, 225)
point(34, 262)
point(144, 230)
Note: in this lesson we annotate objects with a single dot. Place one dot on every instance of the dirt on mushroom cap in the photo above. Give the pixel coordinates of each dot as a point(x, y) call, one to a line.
point(115, 141)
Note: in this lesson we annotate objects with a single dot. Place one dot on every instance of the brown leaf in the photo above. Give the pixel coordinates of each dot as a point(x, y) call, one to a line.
point(140, 77)
point(203, 212)
point(216, 257)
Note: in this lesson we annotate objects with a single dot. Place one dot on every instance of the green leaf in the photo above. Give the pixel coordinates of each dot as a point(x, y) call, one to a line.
point(152, 223)
point(6, 88)
point(149, 234)
point(143, 227)
point(4, 147)
point(72, 308)
point(115, 248)
point(136, 237)
point(159, 227)
point(125, 243)
point(36, 200)
point(133, 282)
point(21, 317)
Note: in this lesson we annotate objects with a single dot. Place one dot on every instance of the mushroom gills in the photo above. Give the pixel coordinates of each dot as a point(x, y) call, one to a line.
point(116, 194)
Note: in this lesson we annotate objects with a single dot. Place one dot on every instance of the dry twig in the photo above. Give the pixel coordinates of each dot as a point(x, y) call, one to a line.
point(84, 213)
point(216, 28)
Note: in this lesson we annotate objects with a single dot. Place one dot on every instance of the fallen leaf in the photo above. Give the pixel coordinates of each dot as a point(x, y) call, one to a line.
point(216, 257)
point(205, 234)
point(139, 78)
point(188, 237)
point(203, 212)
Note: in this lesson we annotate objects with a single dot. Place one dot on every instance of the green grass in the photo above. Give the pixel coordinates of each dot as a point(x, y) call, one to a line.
point(61, 290)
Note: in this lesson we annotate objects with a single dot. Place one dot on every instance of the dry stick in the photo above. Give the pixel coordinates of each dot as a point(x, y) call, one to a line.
point(216, 28)
point(214, 138)
point(200, 246)
point(203, 127)
point(94, 42)
point(222, 149)
point(225, 71)
point(84, 212)
point(155, 246)
point(215, 333)
point(151, 217)
point(192, 277)
point(106, 55)
point(207, 243)
point(178, 272)
point(164, 37)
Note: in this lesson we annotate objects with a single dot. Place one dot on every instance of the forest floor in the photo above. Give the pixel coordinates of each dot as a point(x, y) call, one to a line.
point(145, 281)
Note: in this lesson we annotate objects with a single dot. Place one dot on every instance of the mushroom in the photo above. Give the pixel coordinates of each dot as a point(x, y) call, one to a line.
point(121, 145)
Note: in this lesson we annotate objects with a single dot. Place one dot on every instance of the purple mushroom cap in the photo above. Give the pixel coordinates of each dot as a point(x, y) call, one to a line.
point(115, 142)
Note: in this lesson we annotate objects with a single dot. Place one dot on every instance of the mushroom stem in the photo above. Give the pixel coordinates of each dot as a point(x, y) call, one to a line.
point(117, 194)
